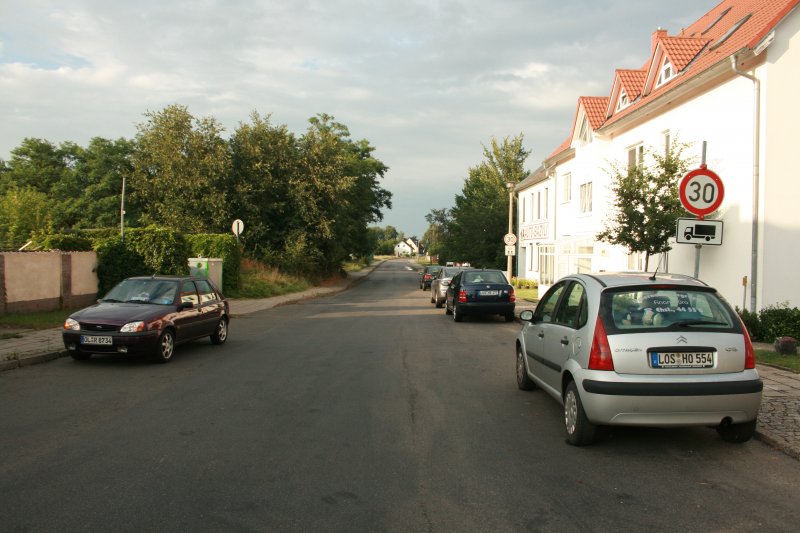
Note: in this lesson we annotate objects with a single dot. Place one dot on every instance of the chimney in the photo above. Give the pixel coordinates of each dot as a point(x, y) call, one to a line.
point(659, 33)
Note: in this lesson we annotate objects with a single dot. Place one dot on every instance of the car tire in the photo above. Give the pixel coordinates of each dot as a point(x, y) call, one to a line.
point(580, 431)
point(524, 382)
point(438, 303)
point(80, 356)
point(447, 310)
point(456, 315)
point(737, 433)
point(165, 348)
point(221, 332)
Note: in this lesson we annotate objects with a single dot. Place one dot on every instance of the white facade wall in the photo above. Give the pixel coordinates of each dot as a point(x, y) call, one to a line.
point(724, 118)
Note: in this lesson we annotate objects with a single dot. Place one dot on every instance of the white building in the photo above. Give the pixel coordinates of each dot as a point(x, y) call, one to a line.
point(406, 247)
point(731, 79)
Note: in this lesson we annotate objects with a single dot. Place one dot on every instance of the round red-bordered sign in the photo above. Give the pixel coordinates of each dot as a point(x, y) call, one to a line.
point(701, 192)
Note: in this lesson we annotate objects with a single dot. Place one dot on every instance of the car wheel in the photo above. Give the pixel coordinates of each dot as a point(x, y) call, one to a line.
point(456, 315)
point(165, 348)
point(447, 310)
point(509, 317)
point(524, 382)
point(438, 303)
point(80, 356)
point(221, 333)
point(580, 431)
point(737, 432)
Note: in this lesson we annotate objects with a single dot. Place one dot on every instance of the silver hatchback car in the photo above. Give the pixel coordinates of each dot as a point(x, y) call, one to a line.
point(636, 349)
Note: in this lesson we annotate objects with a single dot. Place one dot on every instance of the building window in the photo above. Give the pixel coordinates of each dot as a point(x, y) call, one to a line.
point(666, 74)
point(546, 203)
point(585, 134)
point(635, 156)
point(538, 205)
point(524, 207)
point(623, 101)
point(667, 143)
point(586, 197)
point(546, 264)
point(566, 188)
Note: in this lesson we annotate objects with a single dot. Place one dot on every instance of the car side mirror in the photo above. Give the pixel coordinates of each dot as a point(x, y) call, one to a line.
point(526, 316)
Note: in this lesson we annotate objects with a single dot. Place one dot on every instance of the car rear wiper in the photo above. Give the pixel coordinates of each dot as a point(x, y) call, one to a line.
point(686, 323)
point(111, 300)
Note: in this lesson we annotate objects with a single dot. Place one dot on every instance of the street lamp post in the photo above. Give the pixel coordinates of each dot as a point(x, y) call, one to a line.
point(510, 187)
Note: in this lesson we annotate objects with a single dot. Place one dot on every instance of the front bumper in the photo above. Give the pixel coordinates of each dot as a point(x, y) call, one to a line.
point(132, 343)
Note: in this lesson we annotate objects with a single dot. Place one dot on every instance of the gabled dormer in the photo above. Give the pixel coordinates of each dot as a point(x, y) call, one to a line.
point(626, 90)
point(670, 57)
point(589, 116)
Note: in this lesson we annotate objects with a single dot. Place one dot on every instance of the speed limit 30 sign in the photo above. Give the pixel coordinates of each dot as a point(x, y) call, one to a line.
point(701, 192)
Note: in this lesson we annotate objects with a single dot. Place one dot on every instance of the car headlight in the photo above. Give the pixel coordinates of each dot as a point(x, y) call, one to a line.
point(72, 325)
point(133, 327)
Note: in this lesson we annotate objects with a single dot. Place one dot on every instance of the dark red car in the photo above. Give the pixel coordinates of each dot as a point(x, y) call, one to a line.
point(149, 315)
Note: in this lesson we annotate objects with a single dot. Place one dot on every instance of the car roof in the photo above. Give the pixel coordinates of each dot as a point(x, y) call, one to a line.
point(622, 279)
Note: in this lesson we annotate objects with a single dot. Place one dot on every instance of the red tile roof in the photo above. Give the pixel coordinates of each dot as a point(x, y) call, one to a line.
point(699, 47)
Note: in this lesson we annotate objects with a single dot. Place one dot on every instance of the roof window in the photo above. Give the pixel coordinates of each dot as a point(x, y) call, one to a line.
point(623, 101)
point(730, 32)
point(715, 21)
point(666, 73)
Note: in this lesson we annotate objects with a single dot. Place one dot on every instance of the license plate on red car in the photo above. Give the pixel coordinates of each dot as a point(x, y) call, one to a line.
point(681, 359)
point(96, 339)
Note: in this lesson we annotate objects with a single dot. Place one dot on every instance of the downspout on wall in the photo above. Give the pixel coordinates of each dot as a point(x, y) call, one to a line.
point(756, 179)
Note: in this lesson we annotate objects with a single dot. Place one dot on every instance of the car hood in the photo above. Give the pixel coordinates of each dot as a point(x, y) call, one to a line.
point(121, 313)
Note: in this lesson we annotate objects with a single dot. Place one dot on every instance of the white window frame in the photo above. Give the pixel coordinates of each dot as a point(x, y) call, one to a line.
point(666, 73)
point(623, 100)
point(585, 134)
point(586, 198)
point(566, 188)
point(636, 155)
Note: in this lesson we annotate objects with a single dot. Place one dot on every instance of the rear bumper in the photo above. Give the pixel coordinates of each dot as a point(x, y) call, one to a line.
point(678, 402)
point(497, 308)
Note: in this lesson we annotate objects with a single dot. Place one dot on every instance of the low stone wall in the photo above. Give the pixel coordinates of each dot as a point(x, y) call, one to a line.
point(43, 281)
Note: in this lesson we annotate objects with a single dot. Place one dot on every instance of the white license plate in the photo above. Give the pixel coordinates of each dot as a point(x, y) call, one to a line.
point(488, 293)
point(96, 339)
point(681, 359)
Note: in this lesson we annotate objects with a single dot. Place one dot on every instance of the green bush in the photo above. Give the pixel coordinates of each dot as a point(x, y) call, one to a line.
point(771, 322)
point(224, 246)
point(66, 242)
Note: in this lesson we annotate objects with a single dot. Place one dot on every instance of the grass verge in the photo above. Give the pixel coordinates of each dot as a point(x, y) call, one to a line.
point(35, 320)
point(790, 362)
point(262, 281)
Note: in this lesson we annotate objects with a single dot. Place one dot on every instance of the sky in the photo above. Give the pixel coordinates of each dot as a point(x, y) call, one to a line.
point(427, 83)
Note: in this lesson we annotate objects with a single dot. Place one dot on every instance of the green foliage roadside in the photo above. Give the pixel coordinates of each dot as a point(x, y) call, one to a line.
point(261, 281)
point(770, 357)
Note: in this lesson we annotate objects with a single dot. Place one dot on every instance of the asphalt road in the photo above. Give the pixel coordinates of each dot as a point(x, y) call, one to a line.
point(369, 410)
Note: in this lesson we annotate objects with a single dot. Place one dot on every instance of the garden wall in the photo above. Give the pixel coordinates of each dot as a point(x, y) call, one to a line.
point(43, 281)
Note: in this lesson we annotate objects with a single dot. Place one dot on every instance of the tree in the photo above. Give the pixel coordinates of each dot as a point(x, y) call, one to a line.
point(181, 168)
point(646, 203)
point(480, 216)
point(23, 211)
point(436, 235)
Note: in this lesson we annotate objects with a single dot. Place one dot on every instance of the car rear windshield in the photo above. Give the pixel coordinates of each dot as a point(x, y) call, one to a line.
point(484, 277)
point(666, 308)
point(150, 291)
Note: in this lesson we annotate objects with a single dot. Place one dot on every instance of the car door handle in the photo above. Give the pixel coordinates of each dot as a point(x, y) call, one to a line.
point(565, 341)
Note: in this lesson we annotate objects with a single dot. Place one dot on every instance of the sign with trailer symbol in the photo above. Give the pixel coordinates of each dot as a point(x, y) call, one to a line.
point(696, 231)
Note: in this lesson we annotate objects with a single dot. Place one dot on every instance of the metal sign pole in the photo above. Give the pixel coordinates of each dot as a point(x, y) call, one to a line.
point(699, 247)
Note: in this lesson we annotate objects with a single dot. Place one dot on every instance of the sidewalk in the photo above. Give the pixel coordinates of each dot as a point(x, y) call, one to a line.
point(778, 421)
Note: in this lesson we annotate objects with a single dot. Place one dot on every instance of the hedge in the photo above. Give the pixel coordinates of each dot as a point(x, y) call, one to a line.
point(772, 322)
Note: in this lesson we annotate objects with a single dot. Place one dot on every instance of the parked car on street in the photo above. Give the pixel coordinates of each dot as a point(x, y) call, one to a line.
point(440, 283)
point(148, 315)
point(480, 292)
point(426, 276)
point(637, 349)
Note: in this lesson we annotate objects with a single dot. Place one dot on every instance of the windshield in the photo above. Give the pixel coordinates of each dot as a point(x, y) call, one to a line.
point(666, 308)
point(149, 291)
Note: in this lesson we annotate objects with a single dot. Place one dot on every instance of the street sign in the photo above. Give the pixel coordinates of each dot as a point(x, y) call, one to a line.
point(237, 227)
point(511, 250)
point(696, 231)
point(510, 239)
point(701, 192)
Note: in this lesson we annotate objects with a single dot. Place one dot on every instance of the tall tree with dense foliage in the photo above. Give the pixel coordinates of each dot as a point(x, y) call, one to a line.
point(480, 217)
point(436, 236)
point(646, 203)
point(23, 212)
point(181, 168)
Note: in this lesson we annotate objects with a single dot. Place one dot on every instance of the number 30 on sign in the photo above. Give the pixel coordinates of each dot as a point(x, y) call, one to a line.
point(701, 192)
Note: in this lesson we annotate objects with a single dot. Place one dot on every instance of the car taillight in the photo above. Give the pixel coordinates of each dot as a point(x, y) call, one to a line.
point(600, 354)
point(513, 296)
point(749, 353)
point(462, 296)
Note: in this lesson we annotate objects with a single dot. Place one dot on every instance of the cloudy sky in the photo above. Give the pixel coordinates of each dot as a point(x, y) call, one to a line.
point(425, 82)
